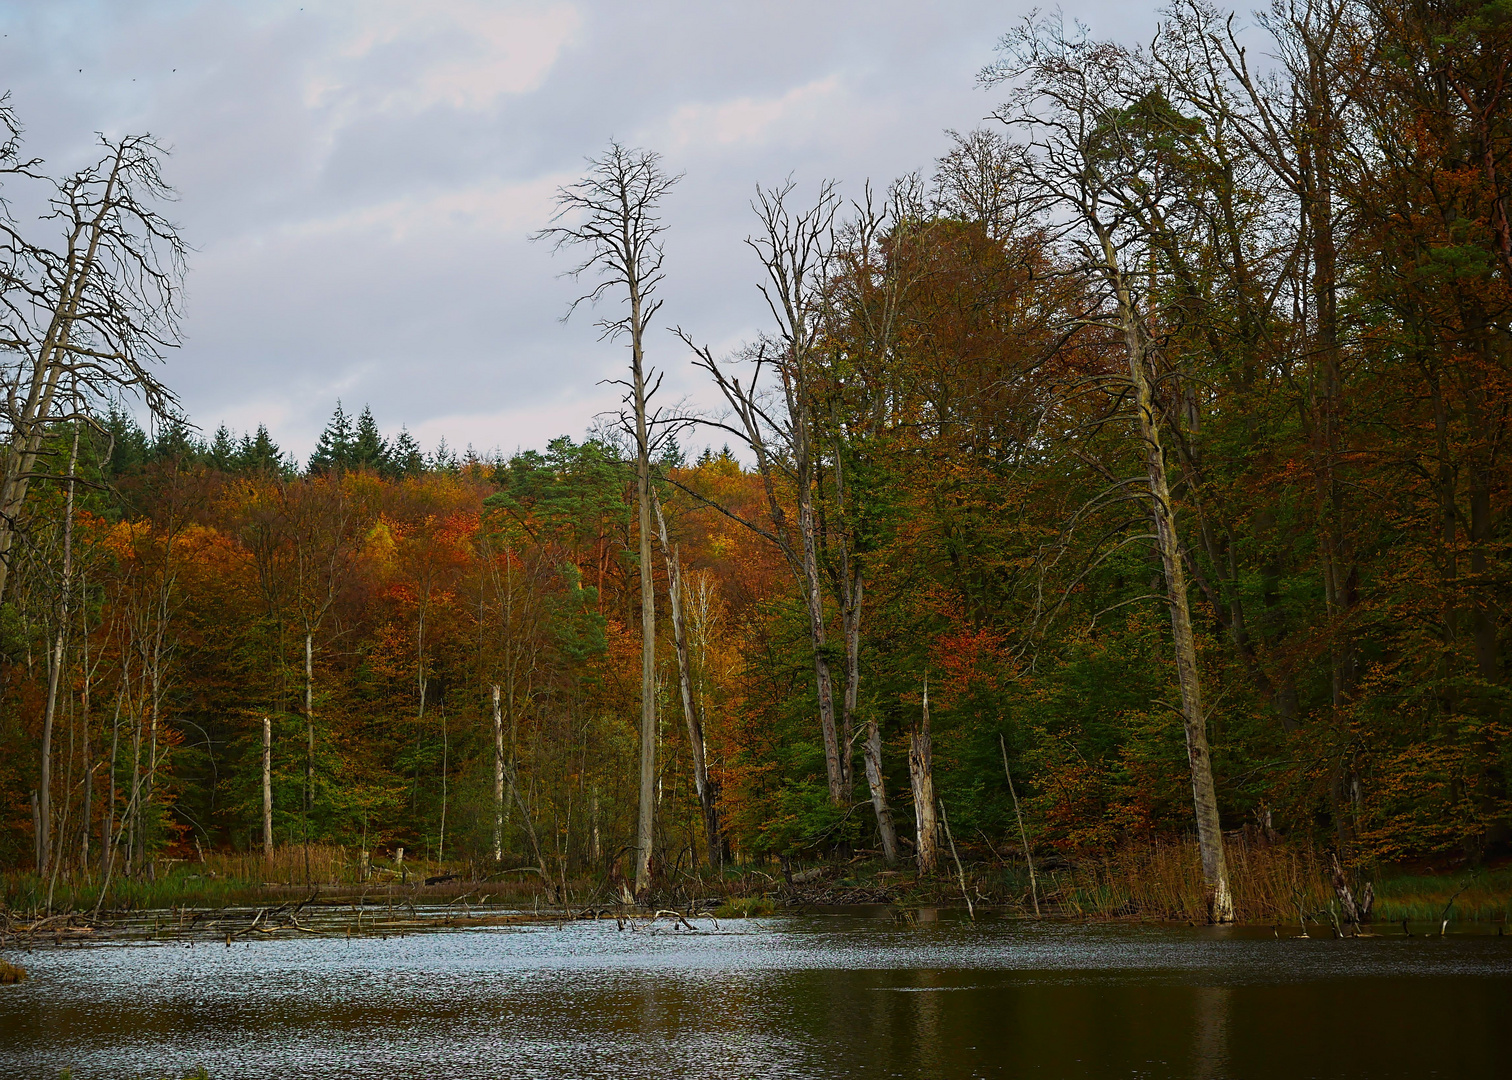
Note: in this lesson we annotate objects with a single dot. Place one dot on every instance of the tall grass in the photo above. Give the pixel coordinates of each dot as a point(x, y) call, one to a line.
point(327, 865)
point(223, 878)
point(1271, 882)
point(1477, 896)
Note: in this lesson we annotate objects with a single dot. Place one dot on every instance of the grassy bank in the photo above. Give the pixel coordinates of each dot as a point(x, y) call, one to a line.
point(239, 878)
point(1272, 882)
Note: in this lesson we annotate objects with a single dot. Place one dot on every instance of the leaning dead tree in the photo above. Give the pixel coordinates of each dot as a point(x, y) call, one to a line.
point(82, 318)
point(1097, 144)
point(782, 427)
point(612, 217)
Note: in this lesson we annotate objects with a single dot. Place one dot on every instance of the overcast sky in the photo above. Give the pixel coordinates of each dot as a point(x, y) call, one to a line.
point(359, 179)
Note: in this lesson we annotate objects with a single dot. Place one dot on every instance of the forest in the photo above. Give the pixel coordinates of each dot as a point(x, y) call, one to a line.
point(1134, 474)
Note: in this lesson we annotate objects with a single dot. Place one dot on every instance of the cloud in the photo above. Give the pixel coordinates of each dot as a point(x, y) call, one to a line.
point(403, 56)
point(492, 209)
point(747, 121)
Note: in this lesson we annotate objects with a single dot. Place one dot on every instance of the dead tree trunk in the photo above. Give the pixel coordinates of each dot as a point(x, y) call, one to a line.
point(921, 774)
point(617, 204)
point(267, 787)
point(498, 825)
point(706, 788)
point(1168, 543)
point(309, 711)
point(54, 675)
point(1023, 835)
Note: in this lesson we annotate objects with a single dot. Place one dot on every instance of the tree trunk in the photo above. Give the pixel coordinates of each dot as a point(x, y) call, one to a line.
point(309, 710)
point(55, 673)
point(707, 789)
point(498, 826)
point(44, 794)
point(921, 774)
point(1204, 795)
point(1023, 833)
point(107, 819)
point(86, 810)
point(645, 822)
point(871, 749)
point(823, 680)
point(267, 787)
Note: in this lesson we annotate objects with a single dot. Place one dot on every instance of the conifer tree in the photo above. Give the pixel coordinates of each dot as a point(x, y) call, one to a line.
point(405, 457)
point(259, 453)
point(445, 459)
point(334, 450)
point(370, 449)
point(223, 449)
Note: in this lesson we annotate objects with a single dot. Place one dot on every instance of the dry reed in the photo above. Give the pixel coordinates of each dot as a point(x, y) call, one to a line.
point(1271, 882)
point(328, 865)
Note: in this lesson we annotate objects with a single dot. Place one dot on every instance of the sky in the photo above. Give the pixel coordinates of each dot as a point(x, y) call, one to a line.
point(359, 180)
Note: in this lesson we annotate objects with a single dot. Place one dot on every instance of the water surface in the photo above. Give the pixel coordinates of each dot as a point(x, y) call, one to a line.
point(821, 997)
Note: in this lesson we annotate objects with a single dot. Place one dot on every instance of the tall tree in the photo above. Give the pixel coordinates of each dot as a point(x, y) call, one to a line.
point(614, 215)
point(369, 447)
point(786, 435)
point(1081, 103)
point(333, 450)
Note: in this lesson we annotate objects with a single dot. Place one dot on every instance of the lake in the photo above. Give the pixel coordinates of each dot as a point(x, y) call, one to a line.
point(858, 994)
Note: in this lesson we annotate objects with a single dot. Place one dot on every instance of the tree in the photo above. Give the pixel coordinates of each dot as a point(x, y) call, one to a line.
point(405, 457)
point(796, 251)
point(706, 788)
point(369, 449)
point(87, 318)
point(1080, 102)
point(614, 211)
point(334, 449)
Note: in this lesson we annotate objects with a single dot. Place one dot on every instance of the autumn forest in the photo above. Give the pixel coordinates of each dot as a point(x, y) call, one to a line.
point(1135, 473)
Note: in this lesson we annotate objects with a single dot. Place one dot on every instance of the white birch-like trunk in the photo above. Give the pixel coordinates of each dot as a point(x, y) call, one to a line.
point(921, 773)
point(498, 822)
point(267, 787)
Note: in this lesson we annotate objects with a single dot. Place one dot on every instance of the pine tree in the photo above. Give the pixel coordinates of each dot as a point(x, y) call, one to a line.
point(445, 459)
point(404, 457)
point(223, 450)
point(127, 442)
point(260, 453)
point(176, 441)
point(334, 450)
point(672, 456)
point(370, 450)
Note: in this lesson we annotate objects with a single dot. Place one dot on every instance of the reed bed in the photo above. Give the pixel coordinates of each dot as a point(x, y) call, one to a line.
point(1431, 898)
point(1271, 882)
point(327, 865)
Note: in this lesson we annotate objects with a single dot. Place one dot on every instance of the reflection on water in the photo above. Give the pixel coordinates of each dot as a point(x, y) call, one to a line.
point(814, 997)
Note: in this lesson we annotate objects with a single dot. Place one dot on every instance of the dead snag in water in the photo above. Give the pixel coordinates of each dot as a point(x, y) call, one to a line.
point(960, 873)
point(1023, 836)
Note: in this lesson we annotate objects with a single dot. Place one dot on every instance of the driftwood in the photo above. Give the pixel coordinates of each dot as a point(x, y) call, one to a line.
point(1355, 911)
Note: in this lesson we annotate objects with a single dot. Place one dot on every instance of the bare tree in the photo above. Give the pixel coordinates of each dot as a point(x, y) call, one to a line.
point(612, 215)
point(784, 436)
point(985, 178)
point(92, 312)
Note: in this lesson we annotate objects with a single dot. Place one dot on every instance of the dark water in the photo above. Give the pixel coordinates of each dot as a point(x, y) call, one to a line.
point(823, 996)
